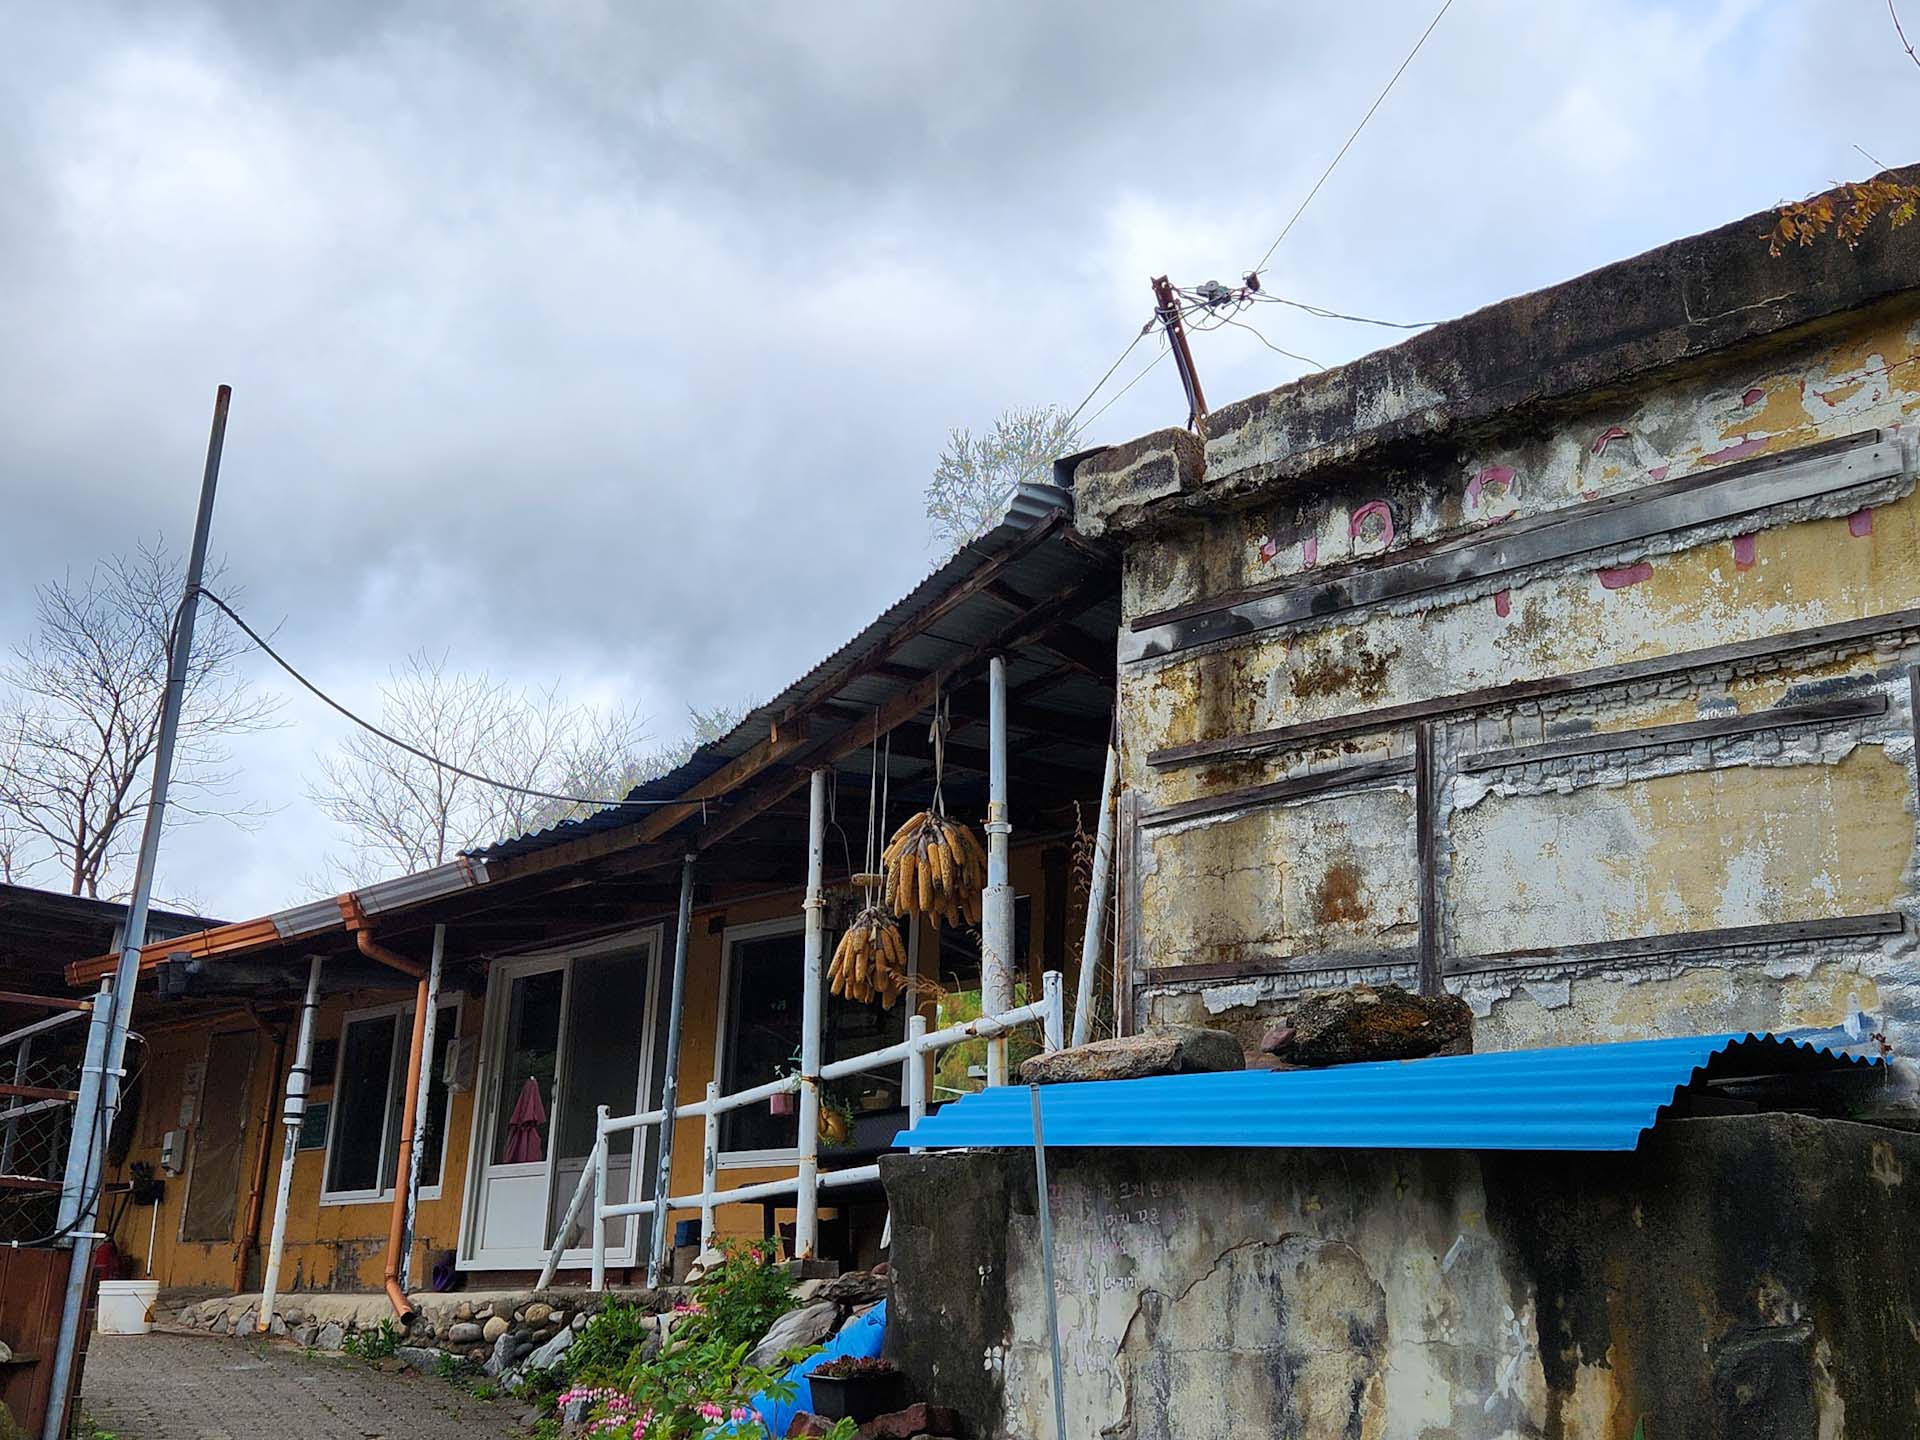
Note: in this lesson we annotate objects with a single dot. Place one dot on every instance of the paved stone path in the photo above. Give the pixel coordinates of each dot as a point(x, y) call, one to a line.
point(187, 1387)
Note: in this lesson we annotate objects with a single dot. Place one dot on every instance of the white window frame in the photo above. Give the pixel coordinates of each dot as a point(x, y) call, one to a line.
point(761, 930)
point(402, 1009)
point(500, 972)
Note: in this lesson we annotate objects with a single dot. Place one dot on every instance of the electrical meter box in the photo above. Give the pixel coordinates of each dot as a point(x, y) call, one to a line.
point(173, 1151)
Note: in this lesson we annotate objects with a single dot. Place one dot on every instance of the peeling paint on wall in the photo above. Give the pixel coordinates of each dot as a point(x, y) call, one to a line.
point(1766, 828)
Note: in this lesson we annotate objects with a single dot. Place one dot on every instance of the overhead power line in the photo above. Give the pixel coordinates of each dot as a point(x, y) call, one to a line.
point(597, 802)
point(1341, 153)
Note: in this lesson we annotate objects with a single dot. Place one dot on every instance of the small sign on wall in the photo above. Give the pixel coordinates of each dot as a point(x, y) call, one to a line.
point(313, 1126)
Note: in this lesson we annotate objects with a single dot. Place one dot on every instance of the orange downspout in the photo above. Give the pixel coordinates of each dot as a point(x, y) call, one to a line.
point(397, 1221)
point(257, 1196)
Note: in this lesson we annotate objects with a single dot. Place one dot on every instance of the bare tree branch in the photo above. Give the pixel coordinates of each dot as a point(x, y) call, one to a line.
point(402, 814)
point(80, 719)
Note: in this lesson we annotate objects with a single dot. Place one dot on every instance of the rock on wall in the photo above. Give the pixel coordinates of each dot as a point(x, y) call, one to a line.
point(1342, 1295)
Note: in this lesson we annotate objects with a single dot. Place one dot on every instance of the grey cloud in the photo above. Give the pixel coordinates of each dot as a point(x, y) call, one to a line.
point(611, 343)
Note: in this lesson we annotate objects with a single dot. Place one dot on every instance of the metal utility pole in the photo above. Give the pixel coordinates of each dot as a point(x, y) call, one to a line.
point(996, 905)
point(662, 1270)
point(107, 1041)
point(1167, 308)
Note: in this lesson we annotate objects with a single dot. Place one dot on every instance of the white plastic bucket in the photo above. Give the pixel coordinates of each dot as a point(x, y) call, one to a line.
point(126, 1306)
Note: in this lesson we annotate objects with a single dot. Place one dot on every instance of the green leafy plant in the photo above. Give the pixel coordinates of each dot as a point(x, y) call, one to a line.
point(456, 1368)
point(610, 1339)
point(738, 1299)
point(375, 1344)
point(699, 1377)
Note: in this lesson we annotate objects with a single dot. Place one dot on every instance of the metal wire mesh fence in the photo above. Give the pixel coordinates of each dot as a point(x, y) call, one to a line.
point(33, 1142)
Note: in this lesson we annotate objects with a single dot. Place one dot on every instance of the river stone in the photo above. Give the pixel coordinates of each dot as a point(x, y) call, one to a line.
point(331, 1337)
point(506, 1351)
point(549, 1354)
point(808, 1325)
point(463, 1311)
point(418, 1357)
point(1367, 1022)
point(536, 1314)
point(464, 1332)
point(1175, 1050)
point(495, 1327)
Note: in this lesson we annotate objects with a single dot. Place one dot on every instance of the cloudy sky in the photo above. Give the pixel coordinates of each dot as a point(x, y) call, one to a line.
point(610, 344)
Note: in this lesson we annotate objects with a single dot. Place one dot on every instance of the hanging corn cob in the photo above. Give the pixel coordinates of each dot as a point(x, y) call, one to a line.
point(870, 961)
point(935, 868)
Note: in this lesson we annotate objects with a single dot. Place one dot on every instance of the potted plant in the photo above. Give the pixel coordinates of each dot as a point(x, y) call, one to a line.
point(836, 1119)
point(855, 1388)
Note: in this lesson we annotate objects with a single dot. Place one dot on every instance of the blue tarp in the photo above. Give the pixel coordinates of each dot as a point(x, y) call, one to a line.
point(860, 1337)
point(1580, 1097)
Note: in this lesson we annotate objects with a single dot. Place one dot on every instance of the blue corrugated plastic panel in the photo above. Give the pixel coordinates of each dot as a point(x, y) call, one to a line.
point(1581, 1097)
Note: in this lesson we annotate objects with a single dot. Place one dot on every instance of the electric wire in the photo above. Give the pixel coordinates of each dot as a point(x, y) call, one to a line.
point(1164, 352)
point(1263, 297)
point(1304, 360)
point(448, 766)
point(1339, 155)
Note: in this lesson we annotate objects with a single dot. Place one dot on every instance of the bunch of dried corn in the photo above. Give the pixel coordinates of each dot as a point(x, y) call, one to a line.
point(870, 961)
point(935, 867)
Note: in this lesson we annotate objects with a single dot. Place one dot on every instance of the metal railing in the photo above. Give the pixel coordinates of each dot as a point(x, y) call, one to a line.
point(591, 1193)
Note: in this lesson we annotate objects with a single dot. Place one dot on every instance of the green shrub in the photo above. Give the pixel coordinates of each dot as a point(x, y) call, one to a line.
point(601, 1350)
point(375, 1344)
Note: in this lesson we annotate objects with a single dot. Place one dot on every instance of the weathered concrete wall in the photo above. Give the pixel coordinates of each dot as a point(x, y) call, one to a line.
point(1806, 823)
point(1427, 1295)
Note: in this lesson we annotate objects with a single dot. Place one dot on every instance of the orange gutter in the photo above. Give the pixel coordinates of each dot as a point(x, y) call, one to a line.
point(221, 940)
point(397, 1220)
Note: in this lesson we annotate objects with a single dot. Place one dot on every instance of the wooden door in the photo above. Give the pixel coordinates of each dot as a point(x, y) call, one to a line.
point(219, 1138)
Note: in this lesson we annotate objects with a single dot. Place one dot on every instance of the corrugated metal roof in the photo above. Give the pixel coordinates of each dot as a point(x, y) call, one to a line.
point(1582, 1097)
point(1042, 572)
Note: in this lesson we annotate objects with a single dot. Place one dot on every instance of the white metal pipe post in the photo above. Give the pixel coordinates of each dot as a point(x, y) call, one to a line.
point(420, 1104)
point(916, 1072)
point(709, 1161)
point(996, 910)
point(806, 1223)
point(670, 1083)
point(600, 1203)
point(107, 1040)
point(293, 1115)
point(1096, 902)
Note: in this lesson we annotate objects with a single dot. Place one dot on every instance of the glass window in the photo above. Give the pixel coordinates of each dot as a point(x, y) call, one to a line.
point(360, 1105)
point(962, 1069)
point(369, 1093)
point(762, 1041)
point(525, 1104)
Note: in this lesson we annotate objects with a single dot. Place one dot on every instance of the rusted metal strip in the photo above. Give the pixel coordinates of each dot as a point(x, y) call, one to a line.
point(1294, 787)
point(1426, 806)
point(1608, 523)
point(1782, 717)
point(1321, 962)
point(1787, 932)
point(37, 1092)
point(45, 1002)
point(1492, 697)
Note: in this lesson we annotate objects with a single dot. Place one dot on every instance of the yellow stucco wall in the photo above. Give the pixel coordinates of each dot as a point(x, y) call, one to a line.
point(343, 1246)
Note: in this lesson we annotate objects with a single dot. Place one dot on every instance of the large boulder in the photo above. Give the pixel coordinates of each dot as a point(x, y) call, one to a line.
point(1176, 1050)
point(808, 1325)
point(1367, 1022)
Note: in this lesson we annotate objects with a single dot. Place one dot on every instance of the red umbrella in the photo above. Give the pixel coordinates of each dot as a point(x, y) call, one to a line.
point(526, 1127)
